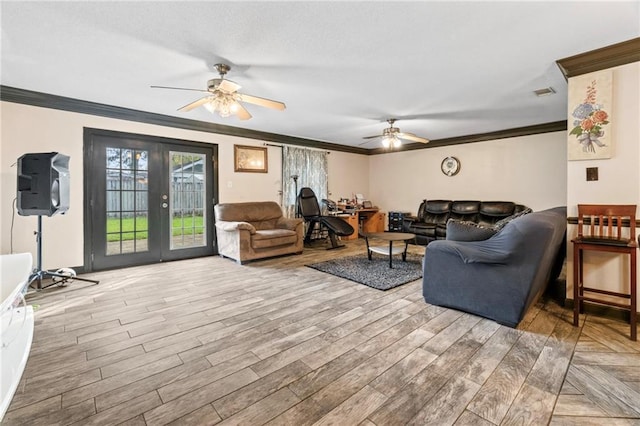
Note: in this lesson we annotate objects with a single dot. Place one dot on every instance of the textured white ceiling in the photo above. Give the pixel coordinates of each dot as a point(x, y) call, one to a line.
point(445, 69)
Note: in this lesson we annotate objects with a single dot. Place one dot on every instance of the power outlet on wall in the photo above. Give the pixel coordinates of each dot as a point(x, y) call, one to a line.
point(592, 173)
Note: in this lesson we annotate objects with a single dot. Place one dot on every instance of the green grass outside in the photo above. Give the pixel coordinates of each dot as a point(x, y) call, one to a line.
point(125, 229)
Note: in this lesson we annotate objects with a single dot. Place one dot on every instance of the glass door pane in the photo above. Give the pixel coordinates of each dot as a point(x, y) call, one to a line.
point(126, 206)
point(148, 199)
point(187, 195)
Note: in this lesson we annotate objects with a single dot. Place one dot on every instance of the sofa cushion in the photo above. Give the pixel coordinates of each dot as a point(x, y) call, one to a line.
point(497, 208)
point(465, 210)
point(421, 228)
point(493, 211)
point(458, 230)
point(258, 211)
point(267, 238)
point(265, 224)
point(437, 206)
point(420, 215)
point(437, 211)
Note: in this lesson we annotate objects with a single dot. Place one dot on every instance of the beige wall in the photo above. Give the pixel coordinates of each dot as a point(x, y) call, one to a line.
point(530, 170)
point(26, 129)
point(349, 174)
point(619, 181)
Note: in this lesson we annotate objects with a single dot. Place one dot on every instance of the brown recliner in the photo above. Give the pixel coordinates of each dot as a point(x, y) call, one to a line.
point(255, 230)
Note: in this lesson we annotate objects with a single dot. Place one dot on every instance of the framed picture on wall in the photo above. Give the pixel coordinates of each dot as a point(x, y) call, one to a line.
point(252, 159)
point(590, 101)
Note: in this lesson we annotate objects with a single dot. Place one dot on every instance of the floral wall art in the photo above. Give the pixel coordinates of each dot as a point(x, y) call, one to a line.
point(589, 116)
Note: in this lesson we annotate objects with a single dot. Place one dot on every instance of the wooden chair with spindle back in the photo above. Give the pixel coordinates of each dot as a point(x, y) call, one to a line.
point(600, 228)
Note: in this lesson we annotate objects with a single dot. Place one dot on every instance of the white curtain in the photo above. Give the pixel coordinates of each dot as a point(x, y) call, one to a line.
point(310, 166)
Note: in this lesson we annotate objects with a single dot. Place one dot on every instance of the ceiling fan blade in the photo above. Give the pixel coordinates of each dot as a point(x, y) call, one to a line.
point(268, 103)
point(228, 86)
point(242, 113)
point(372, 137)
point(412, 137)
point(179, 88)
point(194, 104)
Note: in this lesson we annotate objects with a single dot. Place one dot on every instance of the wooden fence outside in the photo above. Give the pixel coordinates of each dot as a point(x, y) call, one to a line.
point(130, 197)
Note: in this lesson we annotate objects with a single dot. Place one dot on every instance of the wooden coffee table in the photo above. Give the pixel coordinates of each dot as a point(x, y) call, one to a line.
point(389, 251)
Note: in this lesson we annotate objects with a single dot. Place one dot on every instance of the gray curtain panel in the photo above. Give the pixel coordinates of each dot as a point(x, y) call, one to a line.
point(311, 167)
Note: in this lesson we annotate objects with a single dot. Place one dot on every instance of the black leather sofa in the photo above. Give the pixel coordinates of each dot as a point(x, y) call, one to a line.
point(431, 221)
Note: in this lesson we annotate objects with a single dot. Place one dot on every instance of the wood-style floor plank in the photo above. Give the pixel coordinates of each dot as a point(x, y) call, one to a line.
point(606, 391)
point(125, 411)
point(265, 409)
point(117, 396)
point(447, 404)
point(327, 373)
point(240, 399)
point(91, 390)
point(203, 416)
point(199, 397)
point(577, 405)
point(355, 409)
point(207, 341)
point(394, 379)
point(404, 405)
point(499, 391)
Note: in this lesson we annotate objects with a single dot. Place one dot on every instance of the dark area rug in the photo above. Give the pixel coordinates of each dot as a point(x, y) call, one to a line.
point(374, 273)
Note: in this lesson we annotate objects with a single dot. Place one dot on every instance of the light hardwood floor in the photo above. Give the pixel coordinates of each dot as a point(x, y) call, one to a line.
point(208, 341)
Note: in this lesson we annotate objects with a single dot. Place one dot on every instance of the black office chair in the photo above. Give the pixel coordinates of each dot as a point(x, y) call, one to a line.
point(309, 209)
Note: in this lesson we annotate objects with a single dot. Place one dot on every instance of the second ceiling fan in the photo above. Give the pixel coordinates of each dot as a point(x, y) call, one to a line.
point(223, 97)
point(392, 136)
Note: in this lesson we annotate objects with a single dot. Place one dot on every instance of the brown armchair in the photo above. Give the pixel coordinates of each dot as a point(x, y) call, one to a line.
point(255, 230)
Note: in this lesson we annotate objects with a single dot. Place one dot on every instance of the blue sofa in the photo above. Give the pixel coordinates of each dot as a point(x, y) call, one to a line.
point(501, 277)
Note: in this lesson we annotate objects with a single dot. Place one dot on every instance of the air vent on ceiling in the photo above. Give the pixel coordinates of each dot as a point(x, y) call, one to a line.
point(544, 92)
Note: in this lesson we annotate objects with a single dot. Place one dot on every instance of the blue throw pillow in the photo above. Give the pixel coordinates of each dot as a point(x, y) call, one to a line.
point(503, 222)
point(460, 230)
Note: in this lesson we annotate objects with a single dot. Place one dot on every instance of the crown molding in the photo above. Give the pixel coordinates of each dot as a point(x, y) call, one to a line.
point(606, 57)
point(556, 126)
point(44, 100)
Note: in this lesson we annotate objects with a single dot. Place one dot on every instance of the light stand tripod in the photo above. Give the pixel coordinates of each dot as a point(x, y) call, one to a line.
point(295, 181)
point(38, 274)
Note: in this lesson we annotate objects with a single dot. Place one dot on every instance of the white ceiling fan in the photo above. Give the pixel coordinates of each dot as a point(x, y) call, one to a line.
point(392, 136)
point(223, 97)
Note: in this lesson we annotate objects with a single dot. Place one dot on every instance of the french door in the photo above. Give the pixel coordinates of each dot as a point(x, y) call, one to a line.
point(147, 199)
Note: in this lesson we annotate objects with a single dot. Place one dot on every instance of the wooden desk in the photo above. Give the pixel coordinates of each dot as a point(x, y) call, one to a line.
point(371, 220)
point(364, 221)
point(351, 219)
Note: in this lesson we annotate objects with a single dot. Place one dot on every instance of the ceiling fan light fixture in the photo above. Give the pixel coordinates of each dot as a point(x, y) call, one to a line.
point(391, 140)
point(210, 106)
point(223, 97)
point(393, 137)
point(224, 104)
